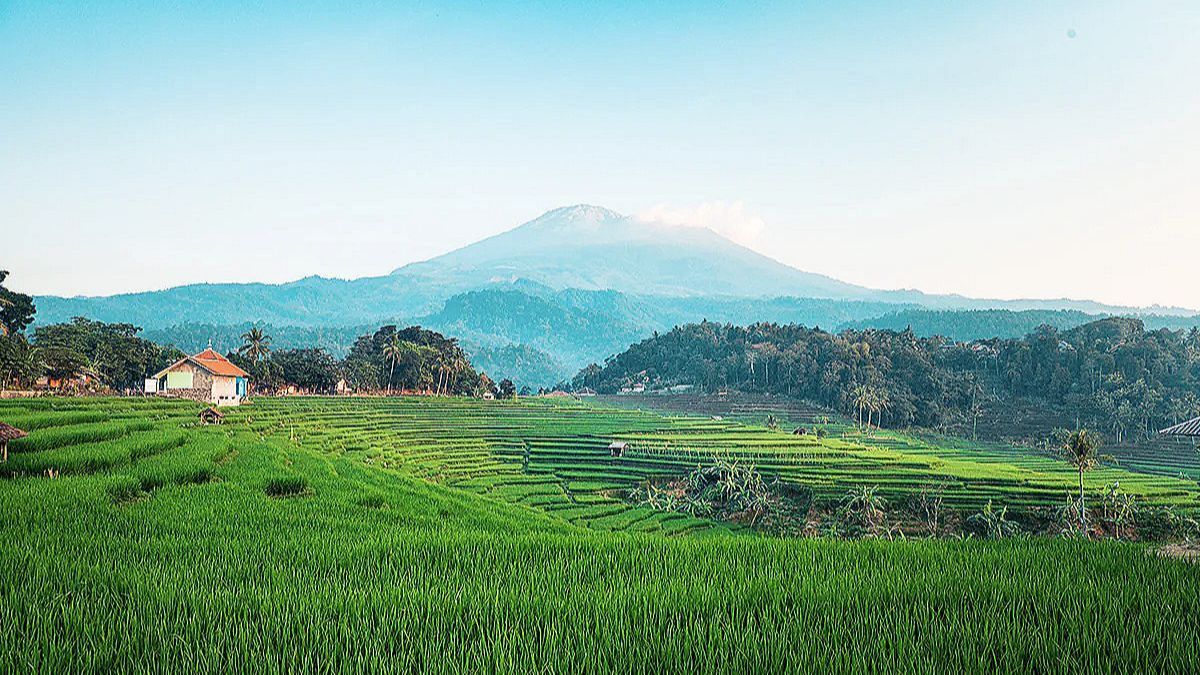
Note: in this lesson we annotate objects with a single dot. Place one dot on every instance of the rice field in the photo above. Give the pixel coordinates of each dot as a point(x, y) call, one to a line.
point(448, 535)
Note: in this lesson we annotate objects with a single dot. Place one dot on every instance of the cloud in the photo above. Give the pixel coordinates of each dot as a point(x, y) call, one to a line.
point(728, 219)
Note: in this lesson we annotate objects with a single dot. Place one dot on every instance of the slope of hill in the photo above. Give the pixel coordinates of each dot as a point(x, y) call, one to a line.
point(593, 248)
point(1111, 374)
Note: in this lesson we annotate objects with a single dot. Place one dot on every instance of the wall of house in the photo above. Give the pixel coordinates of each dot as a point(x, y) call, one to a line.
point(202, 384)
point(224, 390)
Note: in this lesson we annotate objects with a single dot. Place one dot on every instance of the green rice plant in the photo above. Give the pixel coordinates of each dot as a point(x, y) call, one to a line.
point(286, 486)
point(125, 489)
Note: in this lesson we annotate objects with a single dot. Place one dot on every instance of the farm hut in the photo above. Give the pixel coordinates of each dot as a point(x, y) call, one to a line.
point(207, 377)
point(8, 433)
point(211, 415)
point(799, 431)
point(618, 448)
point(1190, 428)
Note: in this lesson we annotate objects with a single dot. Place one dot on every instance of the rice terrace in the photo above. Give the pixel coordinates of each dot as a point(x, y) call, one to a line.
point(445, 534)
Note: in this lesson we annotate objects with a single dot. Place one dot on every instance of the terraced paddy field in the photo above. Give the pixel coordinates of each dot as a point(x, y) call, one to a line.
point(449, 535)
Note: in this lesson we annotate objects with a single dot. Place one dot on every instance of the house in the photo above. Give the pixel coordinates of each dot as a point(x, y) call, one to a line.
point(618, 448)
point(207, 377)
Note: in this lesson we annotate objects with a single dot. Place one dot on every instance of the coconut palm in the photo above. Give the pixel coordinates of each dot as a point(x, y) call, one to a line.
point(862, 400)
point(256, 344)
point(880, 403)
point(393, 350)
point(1081, 448)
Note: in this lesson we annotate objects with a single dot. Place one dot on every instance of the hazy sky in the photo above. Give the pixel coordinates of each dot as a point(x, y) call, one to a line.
point(1014, 149)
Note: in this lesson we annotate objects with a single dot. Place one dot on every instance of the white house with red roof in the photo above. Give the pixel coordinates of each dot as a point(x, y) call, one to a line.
point(207, 377)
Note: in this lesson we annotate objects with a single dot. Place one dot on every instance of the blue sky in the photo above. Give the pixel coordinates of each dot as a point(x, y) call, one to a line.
point(1018, 149)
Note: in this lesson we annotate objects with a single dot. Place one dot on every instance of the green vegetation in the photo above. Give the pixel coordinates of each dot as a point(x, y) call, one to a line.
point(1110, 374)
point(456, 535)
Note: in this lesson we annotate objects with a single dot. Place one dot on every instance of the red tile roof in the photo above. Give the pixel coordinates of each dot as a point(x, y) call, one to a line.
point(217, 364)
point(210, 361)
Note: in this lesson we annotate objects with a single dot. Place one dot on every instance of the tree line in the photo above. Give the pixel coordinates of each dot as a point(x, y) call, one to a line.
point(1110, 374)
point(98, 356)
point(389, 360)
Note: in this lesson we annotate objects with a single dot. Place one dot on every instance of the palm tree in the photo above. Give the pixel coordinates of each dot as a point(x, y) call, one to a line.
point(393, 350)
point(862, 400)
point(1081, 447)
point(255, 344)
point(880, 403)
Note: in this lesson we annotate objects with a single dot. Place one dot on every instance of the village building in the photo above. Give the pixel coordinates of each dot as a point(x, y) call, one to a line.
point(207, 377)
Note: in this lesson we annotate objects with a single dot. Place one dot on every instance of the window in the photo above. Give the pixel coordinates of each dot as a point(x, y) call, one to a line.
point(179, 379)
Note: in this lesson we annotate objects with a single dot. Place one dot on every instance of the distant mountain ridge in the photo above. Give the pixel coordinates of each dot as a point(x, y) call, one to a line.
point(576, 284)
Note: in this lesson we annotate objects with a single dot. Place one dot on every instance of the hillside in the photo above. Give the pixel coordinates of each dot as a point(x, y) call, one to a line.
point(1110, 374)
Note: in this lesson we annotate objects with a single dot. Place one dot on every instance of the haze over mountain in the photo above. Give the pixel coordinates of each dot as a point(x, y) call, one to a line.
point(594, 248)
point(572, 286)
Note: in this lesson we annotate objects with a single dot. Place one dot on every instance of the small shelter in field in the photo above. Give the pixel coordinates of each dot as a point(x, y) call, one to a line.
point(207, 377)
point(1190, 429)
point(618, 448)
point(211, 415)
point(8, 433)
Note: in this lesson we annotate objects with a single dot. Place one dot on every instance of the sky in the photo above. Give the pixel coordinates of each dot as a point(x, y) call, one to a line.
point(1020, 149)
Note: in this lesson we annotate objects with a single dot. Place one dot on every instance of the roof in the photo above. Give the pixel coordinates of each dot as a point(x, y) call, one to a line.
point(211, 411)
point(618, 444)
point(10, 433)
point(210, 361)
point(1188, 428)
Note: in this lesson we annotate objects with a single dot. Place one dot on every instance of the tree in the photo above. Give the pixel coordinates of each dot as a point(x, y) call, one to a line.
point(256, 344)
point(393, 351)
point(1081, 447)
point(506, 389)
point(110, 353)
point(16, 309)
point(20, 362)
point(310, 369)
point(862, 401)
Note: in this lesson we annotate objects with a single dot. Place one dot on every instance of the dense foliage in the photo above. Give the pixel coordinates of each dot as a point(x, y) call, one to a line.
point(111, 354)
point(1111, 373)
point(411, 358)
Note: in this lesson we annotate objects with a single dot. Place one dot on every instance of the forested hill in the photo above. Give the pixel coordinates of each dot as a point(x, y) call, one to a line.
point(1111, 374)
point(972, 324)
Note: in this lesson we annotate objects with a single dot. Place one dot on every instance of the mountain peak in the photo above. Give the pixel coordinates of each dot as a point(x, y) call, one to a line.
point(579, 213)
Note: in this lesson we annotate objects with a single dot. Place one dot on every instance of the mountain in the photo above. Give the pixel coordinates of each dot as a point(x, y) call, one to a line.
point(573, 286)
point(593, 248)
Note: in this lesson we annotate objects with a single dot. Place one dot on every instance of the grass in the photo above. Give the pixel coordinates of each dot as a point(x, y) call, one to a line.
point(458, 536)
